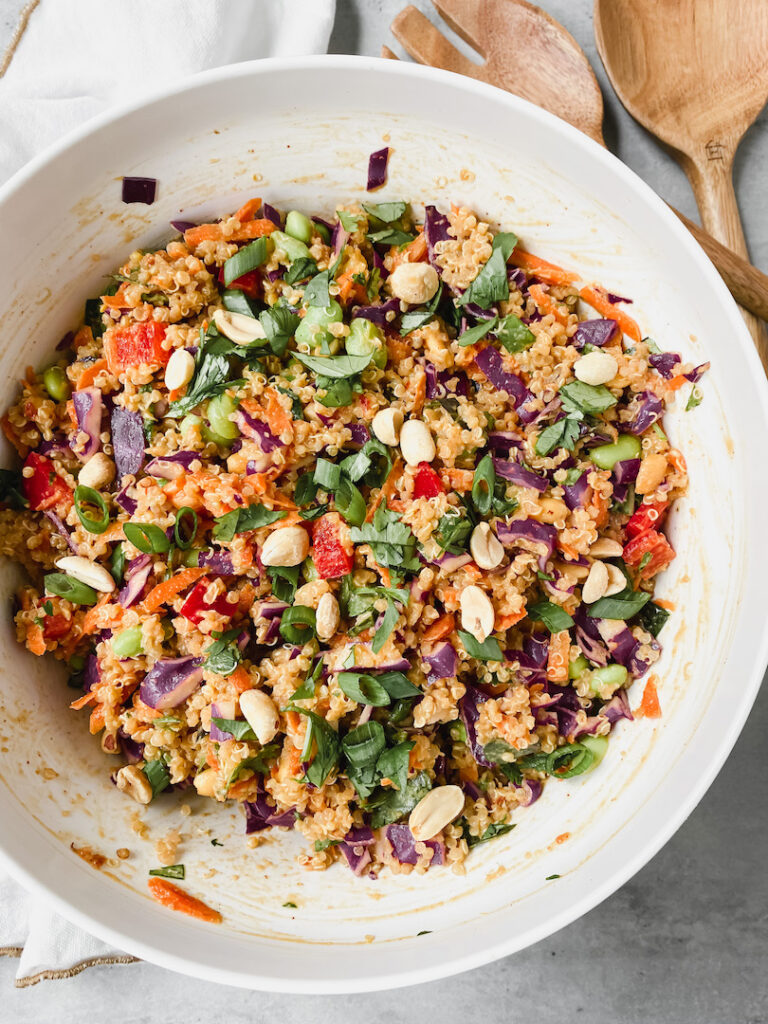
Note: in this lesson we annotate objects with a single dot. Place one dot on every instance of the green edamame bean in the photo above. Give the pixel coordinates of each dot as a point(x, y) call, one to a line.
point(366, 338)
point(219, 410)
point(56, 384)
point(598, 747)
point(577, 667)
point(127, 643)
point(609, 676)
point(293, 248)
point(458, 732)
point(313, 329)
point(299, 226)
point(607, 455)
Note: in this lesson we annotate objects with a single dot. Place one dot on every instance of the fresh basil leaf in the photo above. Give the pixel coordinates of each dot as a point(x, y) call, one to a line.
point(246, 259)
point(363, 744)
point(11, 493)
point(92, 317)
point(396, 804)
point(300, 270)
point(398, 685)
point(392, 542)
point(491, 284)
point(493, 830)
point(324, 738)
point(453, 532)
point(223, 657)
point(390, 236)
point(236, 301)
point(563, 434)
point(380, 637)
point(336, 367)
point(488, 650)
point(363, 688)
point(240, 520)
point(157, 775)
point(350, 503)
point(323, 844)
point(240, 730)
point(297, 409)
point(306, 488)
point(386, 213)
point(258, 763)
point(212, 377)
point(307, 689)
point(327, 475)
point(572, 476)
point(555, 618)
point(478, 331)
point(514, 335)
point(652, 618)
point(393, 764)
point(348, 220)
point(316, 293)
point(279, 325)
point(415, 318)
point(338, 393)
point(621, 606)
point(589, 399)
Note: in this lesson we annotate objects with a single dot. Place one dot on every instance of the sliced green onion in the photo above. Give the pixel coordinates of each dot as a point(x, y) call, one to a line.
point(85, 496)
point(147, 538)
point(179, 530)
point(171, 871)
point(73, 590)
point(246, 259)
point(363, 688)
point(297, 625)
point(483, 484)
point(568, 761)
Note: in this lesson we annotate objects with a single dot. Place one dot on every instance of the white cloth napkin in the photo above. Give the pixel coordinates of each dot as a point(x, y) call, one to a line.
point(74, 59)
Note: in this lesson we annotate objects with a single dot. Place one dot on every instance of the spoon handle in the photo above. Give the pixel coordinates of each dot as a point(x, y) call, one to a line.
point(712, 182)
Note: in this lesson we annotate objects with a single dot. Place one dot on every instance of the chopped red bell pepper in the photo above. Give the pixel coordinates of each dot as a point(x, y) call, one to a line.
point(647, 516)
point(134, 344)
point(196, 606)
point(44, 488)
point(427, 483)
point(332, 550)
point(653, 544)
point(249, 283)
point(56, 626)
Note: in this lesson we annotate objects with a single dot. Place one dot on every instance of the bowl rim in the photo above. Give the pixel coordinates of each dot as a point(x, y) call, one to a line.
point(466, 959)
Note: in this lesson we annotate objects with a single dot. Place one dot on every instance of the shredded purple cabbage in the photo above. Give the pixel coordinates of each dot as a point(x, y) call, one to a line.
point(595, 332)
point(529, 530)
point(648, 410)
point(169, 683)
point(442, 662)
point(139, 190)
point(88, 407)
point(519, 475)
point(127, 441)
point(436, 227)
point(377, 168)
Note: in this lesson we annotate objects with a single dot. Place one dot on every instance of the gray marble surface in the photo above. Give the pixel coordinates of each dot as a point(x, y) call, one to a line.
point(685, 941)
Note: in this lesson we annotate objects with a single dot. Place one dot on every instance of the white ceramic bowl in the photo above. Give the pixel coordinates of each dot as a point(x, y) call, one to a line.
point(299, 133)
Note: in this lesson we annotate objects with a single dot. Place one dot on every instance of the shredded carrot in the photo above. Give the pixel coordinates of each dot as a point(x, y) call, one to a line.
point(469, 772)
point(248, 210)
point(598, 508)
point(277, 418)
point(440, 628)
point(96, 722)
point(118, 300)
point(458, 479)
point(547, 272)
point(563, 837)
point(35, 639)
point(241, 679)
point(676, 382)
point(213, 232)
point(677, 460)
point(168, 589)
point(350, 290)
point(473, 570)
point(93, 617)
point(30, 376)
point(666, 605)
point(414, 252)
point(597, 298)
point(171, 896)
point(547, 304)
point(81, 702)
point(507, 621)
point(557, 660)
point(397, 350)
point(649, 705)
point(420, 394)
point(386, 489)
point(90, 373)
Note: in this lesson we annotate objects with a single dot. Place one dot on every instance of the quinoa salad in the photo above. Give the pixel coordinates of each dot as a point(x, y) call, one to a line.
point(354, 521)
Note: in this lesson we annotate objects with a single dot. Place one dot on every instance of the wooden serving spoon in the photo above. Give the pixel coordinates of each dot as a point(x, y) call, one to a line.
point(695, 74)
point(506, 33)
